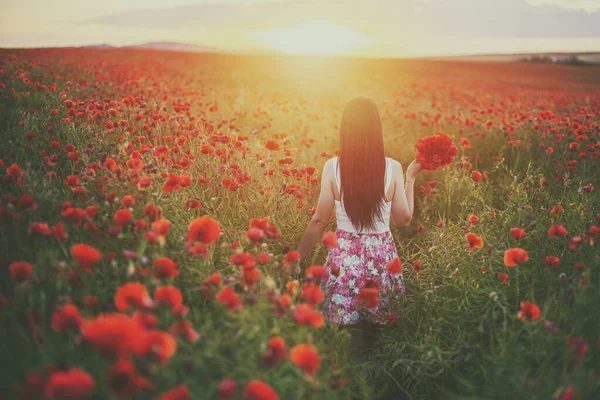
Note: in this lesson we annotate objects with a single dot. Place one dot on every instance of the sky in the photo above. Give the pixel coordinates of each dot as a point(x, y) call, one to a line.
point(372, 28)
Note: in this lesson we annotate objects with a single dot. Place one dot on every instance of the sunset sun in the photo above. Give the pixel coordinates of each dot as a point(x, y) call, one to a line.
point(313, 37)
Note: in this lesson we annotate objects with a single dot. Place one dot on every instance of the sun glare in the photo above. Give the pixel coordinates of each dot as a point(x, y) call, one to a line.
point(314, 38)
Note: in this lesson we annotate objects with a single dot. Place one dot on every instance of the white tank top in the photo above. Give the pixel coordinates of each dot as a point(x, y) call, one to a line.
point(381, 225)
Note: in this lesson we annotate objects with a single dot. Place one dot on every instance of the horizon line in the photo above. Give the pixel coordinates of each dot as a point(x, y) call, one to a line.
point(269, 52)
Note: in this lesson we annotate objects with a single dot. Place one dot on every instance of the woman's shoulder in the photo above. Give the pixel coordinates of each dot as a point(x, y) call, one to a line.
point(395, 164)
point(329, 165)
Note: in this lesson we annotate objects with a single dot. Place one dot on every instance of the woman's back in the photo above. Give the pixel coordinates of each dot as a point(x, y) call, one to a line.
point(380, 224)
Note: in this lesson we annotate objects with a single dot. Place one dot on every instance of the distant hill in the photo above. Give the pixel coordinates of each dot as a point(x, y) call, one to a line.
point(175, 46)
point(99, 46)
point(586, 57)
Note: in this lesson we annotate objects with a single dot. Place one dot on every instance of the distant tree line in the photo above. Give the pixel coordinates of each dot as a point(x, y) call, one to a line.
point(571, 60)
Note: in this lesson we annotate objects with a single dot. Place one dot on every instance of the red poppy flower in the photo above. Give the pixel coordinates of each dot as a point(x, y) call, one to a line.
point(503, 278)
point(277, 344)
point(250, 275)
point(476, 176)
point(20, 271)
point(69, 385)
point(275, 352)
point(465, 143)
point(242, 259)
point(184, 180)
point(515, 256)
point(161, 226)
point(91, 211)
point(66, 318)
point(39, 228)
point(168, 295)
point(152, 212)
point(195, 204)
point(256, 235)
point(306, 357)
point(330, 240)
point(312, 293)
point(369, 295)
point(474, 241)
point(316, 272)
point(417, 266)
point(259, 390)
point(86, 256)
point(127, 201)
point(204, 229)
point(73, 215)
point(123, 217)
point(305, 313)
point(435, 151)
point(14, 173)
point(557, 230)
point(473, 219)
point(290, 257)
point(158, 345)
point(552, 261)
point(72, 181)
point(164, 267)
point(394, 266)
point(210, 284)
point(229, 298)
point(272, 145)
point(262, 258)
point(529, 311)
point(517, 233)
point(391, 318)
point(263, 224)
point(171, 184)
point(132, 295)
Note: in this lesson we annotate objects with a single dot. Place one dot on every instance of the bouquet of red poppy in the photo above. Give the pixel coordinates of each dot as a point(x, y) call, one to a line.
point(436, 151)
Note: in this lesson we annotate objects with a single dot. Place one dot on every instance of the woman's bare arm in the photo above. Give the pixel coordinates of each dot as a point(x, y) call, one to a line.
point(320, 220)
point(403, 202)
point(401, 213)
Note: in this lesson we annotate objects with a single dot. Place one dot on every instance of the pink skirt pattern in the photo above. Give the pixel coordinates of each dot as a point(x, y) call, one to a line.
point(360, 257)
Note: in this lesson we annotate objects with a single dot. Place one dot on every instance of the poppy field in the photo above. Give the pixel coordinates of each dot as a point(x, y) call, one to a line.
point(149, 200)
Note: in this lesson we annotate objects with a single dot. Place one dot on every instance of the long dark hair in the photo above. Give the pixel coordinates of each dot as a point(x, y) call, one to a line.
point(362, 162)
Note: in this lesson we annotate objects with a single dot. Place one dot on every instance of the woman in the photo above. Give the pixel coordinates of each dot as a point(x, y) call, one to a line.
point(367, 190)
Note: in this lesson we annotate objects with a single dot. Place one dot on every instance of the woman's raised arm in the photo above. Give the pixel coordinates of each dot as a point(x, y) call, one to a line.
point(403, 203)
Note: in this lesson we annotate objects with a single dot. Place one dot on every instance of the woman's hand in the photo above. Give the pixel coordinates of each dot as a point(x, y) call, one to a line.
point(413, 169)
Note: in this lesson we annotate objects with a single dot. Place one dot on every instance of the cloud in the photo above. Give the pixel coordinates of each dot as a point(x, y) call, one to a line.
point(227, 14)
point(456, 18)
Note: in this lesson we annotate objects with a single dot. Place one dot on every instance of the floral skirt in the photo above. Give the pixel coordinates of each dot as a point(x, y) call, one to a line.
point(360, 258)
